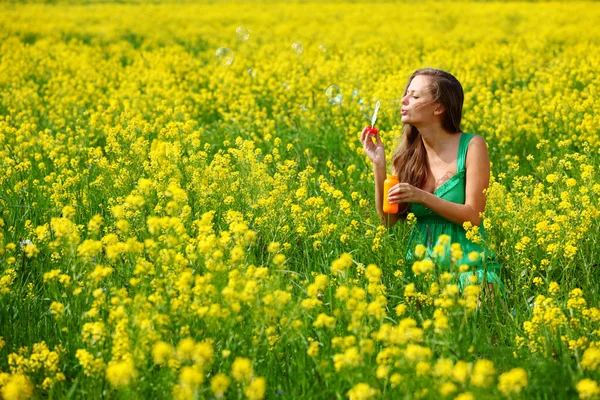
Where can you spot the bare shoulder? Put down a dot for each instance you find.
(477, 142)
(477, 151)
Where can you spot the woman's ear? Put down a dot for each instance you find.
(439, 109)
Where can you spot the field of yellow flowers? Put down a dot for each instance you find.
(186, 210)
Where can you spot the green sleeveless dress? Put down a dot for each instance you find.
(430, 225)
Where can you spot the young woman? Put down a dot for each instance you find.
(443, 171)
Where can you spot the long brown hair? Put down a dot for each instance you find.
(409, 160)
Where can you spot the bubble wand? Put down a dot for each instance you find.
(372, 128)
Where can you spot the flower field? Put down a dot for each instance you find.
(186, 210)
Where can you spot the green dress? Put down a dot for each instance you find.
(430, 225)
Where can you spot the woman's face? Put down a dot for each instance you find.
(418, 108)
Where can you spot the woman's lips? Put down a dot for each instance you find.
(404, 112)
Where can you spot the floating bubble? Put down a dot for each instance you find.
(303, 107)
(224, 56)
(242, 33)
(286, 85)
(334, 95)
(251, 72)
(322, 48)
(358, 96)
(297, 47)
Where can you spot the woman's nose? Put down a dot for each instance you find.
(405, 100)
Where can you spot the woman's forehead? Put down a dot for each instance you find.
(418, 84)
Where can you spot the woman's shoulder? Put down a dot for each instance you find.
(476, 149)
(474, 140)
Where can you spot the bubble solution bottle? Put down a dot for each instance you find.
(387, 184)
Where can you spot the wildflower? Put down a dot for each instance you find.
(161, 352)
(591, 359)
(395, 379)
(91, 365)
(422, 368)
(483, 373)
(362, 391)
(512, 381)
(241, 370)
(121, 373)
(465, 396)
(551, 178)
(447, 389)
(588, 389)
(57, 309)
(256, 389)
(420, 251)
(324, 320)
(341, 265)
(18, 387)
(313, 349)
(553, 288)
(461, 372)
(219, 385)
(473, 256)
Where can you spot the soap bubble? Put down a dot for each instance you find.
(303, 107)
(286, 85)
(251, 73)
(297, 47)
(224, 56)
(242, 33)
(322, 48)
(334, 95)
(358, 96)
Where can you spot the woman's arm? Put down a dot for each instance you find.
(477, 180)
(376, 153)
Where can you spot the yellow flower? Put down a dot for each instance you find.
(362, 391)
(341, 265)
(588, 389)
(120, 374)
(461, 372)
(551, 178)
(324, 320)
(161, 352)
(273, 247)
(483, 373)
(400, 309)
(256, 389)
(423, 368)
(373, 273)
(447, 389)
(313, 349)
(57, 309)
(465, 396)
(420, 250)
(91, 365)
(241, 370)
(219, 384)
(395, 379)
(591, 359)
(279, 259)
(185, 349)
(18, 387)
(191, 377)
(473, 256)
(512, 381)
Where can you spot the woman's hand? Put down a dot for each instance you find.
(374, 151)
(405, 193)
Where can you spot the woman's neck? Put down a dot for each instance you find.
(435, 138)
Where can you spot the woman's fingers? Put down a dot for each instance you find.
(399, 192)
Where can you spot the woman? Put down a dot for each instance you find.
(443, 171)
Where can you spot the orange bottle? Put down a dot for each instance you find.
(387, 184)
